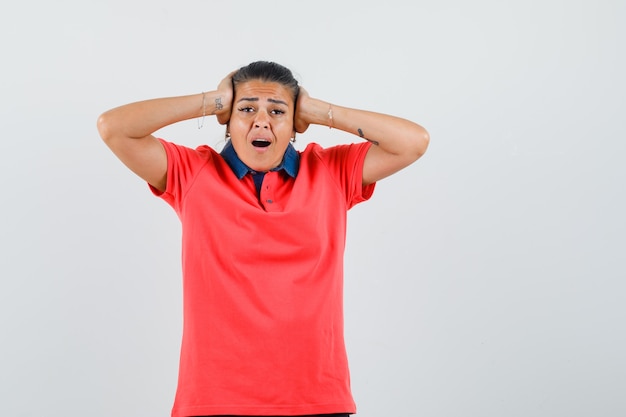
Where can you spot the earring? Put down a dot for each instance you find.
(293, 139)
(227, 135)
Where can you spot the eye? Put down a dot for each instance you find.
(246, 109)
(278, 111)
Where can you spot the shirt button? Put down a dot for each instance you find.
(269, 201)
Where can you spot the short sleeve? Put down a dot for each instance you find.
(183, 166)
(345, 162)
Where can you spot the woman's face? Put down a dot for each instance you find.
(261, 123)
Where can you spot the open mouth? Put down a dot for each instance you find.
(260, 143)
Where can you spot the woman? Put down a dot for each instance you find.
(263, 236)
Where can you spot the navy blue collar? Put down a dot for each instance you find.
(290, 163)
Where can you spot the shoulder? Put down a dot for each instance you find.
(344, 152)
(182, 153)
(201, 150)
(343, 166)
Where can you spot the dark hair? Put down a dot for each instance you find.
(267, 72)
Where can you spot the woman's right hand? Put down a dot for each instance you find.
(224, 100)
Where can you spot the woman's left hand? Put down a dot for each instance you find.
(300, 121)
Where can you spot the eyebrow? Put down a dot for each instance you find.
(271, 100)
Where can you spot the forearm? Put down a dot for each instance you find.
(392, 134)
(141, 119)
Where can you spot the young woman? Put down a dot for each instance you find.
(264, 229)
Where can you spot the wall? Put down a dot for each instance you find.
(485, 280)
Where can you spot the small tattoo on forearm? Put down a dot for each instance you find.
(363, 136)
(218, 104)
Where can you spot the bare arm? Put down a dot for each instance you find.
(397, 142)
(128, 130)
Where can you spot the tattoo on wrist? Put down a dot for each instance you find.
(218, 104)
(363, 136)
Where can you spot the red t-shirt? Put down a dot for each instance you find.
(263, 282)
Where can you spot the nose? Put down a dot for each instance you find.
(262, 120)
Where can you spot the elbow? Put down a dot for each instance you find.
(102, 124)
(106, 128)
(419, 143)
